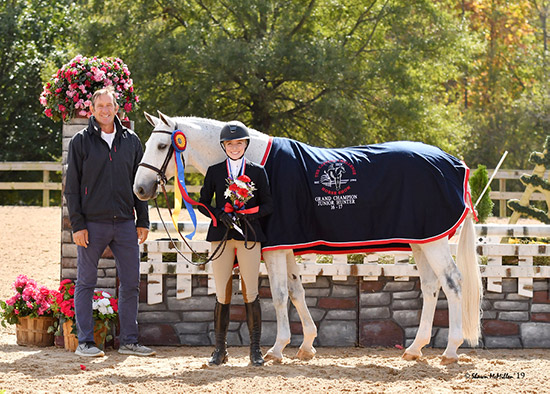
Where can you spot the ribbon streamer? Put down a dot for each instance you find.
(179, 143)
(189, 202)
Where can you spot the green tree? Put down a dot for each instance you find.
(478, 180)
(328, 73)
(32, 33)
(506, 85)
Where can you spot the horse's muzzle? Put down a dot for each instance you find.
(146, 192)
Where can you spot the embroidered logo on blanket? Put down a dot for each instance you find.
(334, 182)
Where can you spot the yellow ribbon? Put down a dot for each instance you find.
(177, 202)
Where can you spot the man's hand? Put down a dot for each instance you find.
(142, 234)
(81, 238)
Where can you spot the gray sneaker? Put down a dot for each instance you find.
(136, 349)
(88, 349)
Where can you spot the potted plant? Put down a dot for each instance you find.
(30, 309)
(105, 311)
(69, 92)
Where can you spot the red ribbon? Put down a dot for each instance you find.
(230, 208)
(186, 197)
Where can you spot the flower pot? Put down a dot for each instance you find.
(71, 340)
(100, 333)
(33, 331)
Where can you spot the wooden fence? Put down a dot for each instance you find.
(46, 185)
(372, 266)
(500, 186)
(499, 194)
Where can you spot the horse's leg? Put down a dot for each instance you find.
(430, 290)
(298, 298)
(276, 268)
(440, 259)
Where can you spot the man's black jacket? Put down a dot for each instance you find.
(99, 180)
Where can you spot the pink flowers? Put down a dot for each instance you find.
(29, 300)
(63, 95)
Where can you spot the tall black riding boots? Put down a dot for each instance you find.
(221, 324)
(254, 322)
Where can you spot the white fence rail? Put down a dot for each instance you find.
(374, 265)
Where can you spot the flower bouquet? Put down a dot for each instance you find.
(30, 309)
(238, 191)
(69, 91)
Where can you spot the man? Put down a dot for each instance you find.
(102, 162)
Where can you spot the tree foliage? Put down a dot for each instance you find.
(469, 76)
(32, 33)
(329, 73)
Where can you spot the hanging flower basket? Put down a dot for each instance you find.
(69, 92)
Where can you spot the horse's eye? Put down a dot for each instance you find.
(162, 146)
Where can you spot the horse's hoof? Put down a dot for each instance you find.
(271, 357)
(448, 360)
(306, 355)
(410, 357)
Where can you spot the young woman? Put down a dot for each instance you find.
(241, 196)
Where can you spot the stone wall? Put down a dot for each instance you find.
(354, 312)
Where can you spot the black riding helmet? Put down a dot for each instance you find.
(234, 130)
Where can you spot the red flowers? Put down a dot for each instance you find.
(64, 302)
(239, 191)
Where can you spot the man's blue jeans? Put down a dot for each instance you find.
(121, 237)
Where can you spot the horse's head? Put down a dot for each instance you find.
(157, 158)
(158, 162)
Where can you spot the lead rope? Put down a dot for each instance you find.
(209, 259)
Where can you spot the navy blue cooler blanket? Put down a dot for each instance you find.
(362, 199)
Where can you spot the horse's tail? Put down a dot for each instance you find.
(472, 288)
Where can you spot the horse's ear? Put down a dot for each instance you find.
(153, 120)
(167, 120)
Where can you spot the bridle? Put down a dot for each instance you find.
(161, 172)
(162, 181)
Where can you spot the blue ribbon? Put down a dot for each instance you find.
(188, 206)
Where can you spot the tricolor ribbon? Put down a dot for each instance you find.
(180, 192)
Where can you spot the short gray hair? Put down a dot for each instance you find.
(107, 90)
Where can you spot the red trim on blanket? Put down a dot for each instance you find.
(267, 150)
(355, 247)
